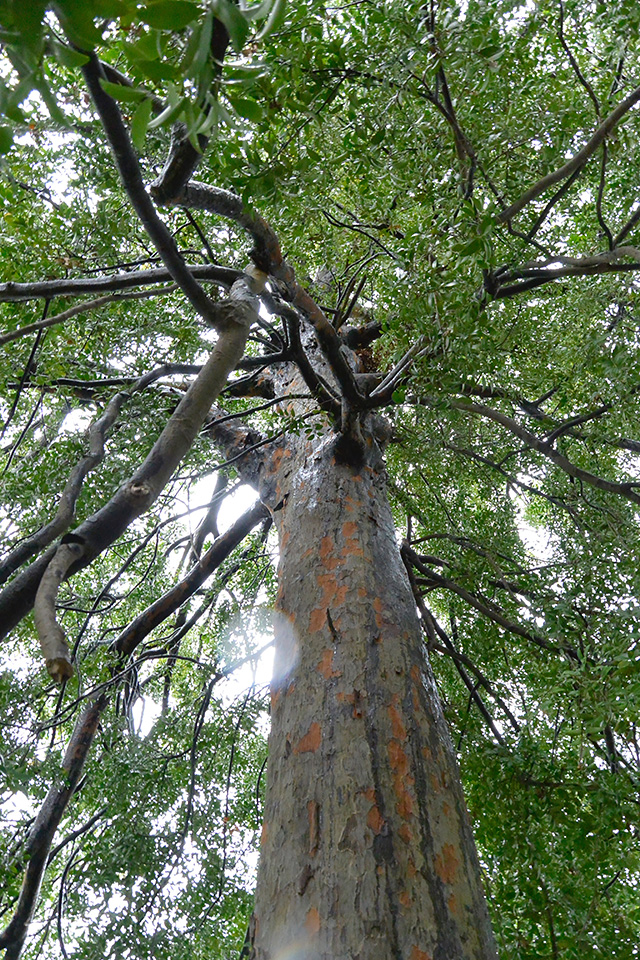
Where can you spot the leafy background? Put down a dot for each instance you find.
(325, 123)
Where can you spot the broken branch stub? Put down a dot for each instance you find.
(50, 634)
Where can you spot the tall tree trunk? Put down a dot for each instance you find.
(367, 850)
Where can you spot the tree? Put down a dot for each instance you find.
(378, 263)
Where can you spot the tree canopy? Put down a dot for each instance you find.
(456, 184)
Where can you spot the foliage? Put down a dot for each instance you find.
(384, 143)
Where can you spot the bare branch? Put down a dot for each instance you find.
(267, 255)
(536, 274)
(12, 292)
(490, 611)
(97, 435)
(130, 174)
(43, 830)
(85, 307)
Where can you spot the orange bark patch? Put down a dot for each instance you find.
(378, 607)
(333, 595)
(401, 780)
(416, 676)
(452, 903)
(398, 759)
(411, 869)
(375, 820)
(405, 899)
(312, 922)
(397, 726)
(275, 696)
(313, 810)
(284, 539)
(405, 834)
(447, 863)
(370, 794)
(418, 954)
(325, 667)
(350, 503)
(263, 835)
(276, 459)
(352, 546)
(317, 619)
(311, 740)
(361, 593)
(327, 559)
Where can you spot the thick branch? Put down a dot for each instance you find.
(576, 162)
(97, 435)
(155, 614)
(531, 276)
(46, 823)
(12, 292)
(53, 642)
(626, 490)
(129, 170)
(142, 489)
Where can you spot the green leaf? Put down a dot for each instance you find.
(67, 56)
(76, 17)
(199, 47)
(122, 93)
(275, 19)
(140, 123)
(237, 25)
(256, 11)
(244, 72)
(6, 140)
(173, 109)
(169, 14)
(147, 47)
(248, 109)
(159, 70)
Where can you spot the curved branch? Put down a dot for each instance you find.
(141, 490)
(43, 830)
(155, 614)
(488, 611)
(625, 490)
(129, 170)
(97, 434)
(85, 307)
(576, 162)
(50, 634)
(267, 256)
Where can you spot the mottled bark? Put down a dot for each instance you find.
(367, 850)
